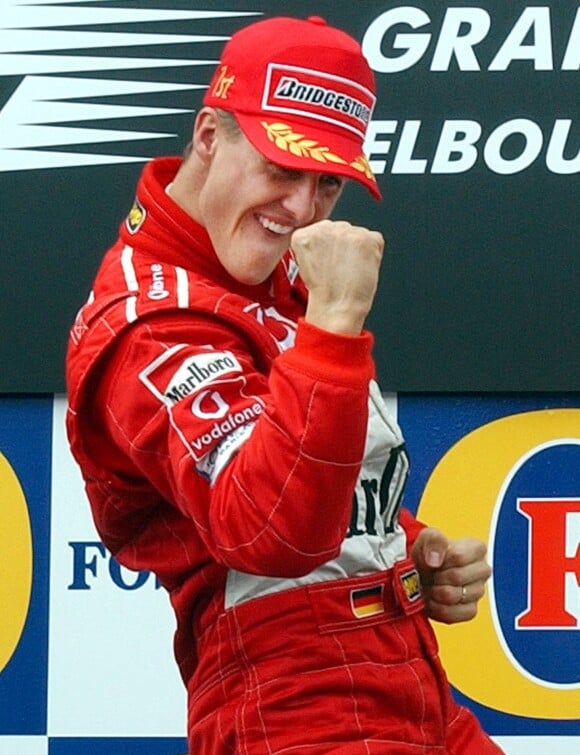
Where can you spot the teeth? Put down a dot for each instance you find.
(275, 227)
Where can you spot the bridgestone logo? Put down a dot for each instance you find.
(290, 88)
(199, 371)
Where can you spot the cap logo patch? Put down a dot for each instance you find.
(318, 95)
(223, 83)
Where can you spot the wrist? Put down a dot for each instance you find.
(335, 319)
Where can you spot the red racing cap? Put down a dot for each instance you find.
(302, 93)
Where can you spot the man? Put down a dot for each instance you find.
(233, 440)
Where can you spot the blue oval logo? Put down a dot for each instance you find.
(537, 564)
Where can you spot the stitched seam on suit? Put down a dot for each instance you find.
(255, 686)
(267, 526)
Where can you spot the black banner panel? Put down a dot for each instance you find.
(475, 142)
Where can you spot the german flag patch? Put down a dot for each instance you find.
(367, 602)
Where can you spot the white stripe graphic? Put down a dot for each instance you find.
(128, 269)
(182, 288)
(144, 374)
(131, 309)
(41, 37)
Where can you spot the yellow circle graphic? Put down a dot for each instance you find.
(15, 561)
(460, 498)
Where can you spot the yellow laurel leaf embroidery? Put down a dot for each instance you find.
(294, 137)
(362, 165)
(286, 139)
(276, 126)
(331, 157)
(318, 154)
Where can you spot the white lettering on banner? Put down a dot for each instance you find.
(53, 90)
(458, 149)
(462, 29)
(536, 21)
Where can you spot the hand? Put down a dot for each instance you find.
(339, 263)
(453, 574)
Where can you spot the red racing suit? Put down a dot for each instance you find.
(247, 458)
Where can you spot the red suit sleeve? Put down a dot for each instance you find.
(179, 398)
(411, 525)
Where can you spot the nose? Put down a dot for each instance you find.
(302, 198)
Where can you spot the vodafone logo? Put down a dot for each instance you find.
(209, 405)
(230, 422)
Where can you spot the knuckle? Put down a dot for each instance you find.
(446, 594)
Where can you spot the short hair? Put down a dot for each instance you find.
(230, 125)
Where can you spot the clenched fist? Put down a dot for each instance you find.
(339, 263)
(453, 574)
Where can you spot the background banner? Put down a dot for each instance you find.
(86, 646)
(475, 141)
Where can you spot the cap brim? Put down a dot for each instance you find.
(300, 145)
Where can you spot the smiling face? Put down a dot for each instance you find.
(248, 205)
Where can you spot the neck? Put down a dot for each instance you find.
(184, 189)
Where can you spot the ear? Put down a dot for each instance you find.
(205, 130)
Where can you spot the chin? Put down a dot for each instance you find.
(258, 270)
(251, 279)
